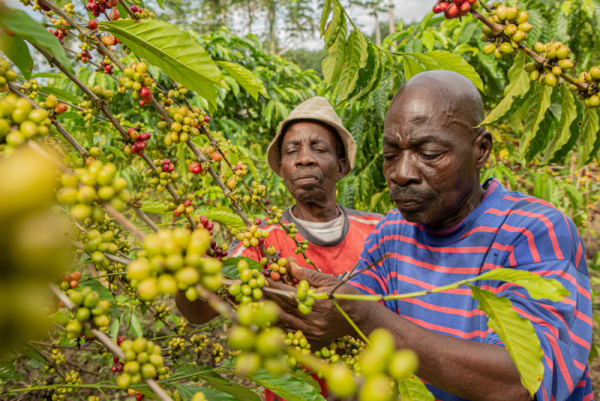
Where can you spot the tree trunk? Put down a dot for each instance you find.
(271, 18)
(392, 22)
(377, 30)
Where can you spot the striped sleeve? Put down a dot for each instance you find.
(374, 279)
(551, 247)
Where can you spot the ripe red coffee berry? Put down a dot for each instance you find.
(142, 103)
(120, 340)
(144, 91)
(437, 9)
(166, 161)
(206, 119)
(444, 5)
(452, 11)
(187, 202)
(115, 14)
(76, 276)
(134, 8)
(115, 359)
(73, 284)
(465, 7)
(256, 221)
(204, 220)
(92, 24)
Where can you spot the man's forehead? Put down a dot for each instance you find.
(307, 132)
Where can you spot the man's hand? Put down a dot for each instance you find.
(325, 322)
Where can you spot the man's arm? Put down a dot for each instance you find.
(470, 370)
(197, 311)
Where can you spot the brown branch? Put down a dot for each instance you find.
(126, 7)
(123, 221)
(143, 216)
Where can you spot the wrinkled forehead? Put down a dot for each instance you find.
(414, 113)
(308, 132)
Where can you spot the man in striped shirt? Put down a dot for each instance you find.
(448, 227)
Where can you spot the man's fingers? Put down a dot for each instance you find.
(314, 278)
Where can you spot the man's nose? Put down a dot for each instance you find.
(306, 158)
(406, 171)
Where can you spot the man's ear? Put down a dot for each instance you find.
(343, 168)
(482, 148)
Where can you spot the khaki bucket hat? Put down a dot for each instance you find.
(319, 109)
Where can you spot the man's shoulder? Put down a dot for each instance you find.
(528, 209)
(362, 216)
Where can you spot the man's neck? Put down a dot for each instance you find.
(316, 212)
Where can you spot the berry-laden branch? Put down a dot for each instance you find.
(107, 342)
(13, 88)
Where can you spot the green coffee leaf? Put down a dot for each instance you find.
(356, 58)
(563, 132)
(518, 335)
(172, 50)
(591, 142)
(518, 86)
(413, 389)
(17, 51)
(537, 286)
(21, 24)
(244, 77)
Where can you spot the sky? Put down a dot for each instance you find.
(408, 10)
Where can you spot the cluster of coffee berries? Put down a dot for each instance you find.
(253, 237)
(6, 75)
(71, 378)
(98, 7)
(206, 223)
(257, 194)
(187, 207)
(164, 373)
(90, 110)
(57, 357)
(275, 215)
(515, 28)
(590, 96)
(60, 33)
(103, 93)
(298, 342)
(143, 359)
(252, 282)
(185, 124)
(557, 59)
(96, 244)
(141, 13)
(136, 77)
(110, 234)
(304, 297)
(161, 312)
(380, 364)
(89, 187)
(32, 88)
(176, 93)
(164, 175)
(19, 121)
(141, 141)
(89, 306)
(217, 352)
(262, 345)
(106, 66)
(85, 56)
(93, 398)
(455, 8)
(70, 281)
(176, 345)
(182, 327)
(199, 342)
(345, 349)
(174, 260)
(51, 104)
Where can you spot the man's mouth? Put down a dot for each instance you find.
(409, 204)
(306, 179)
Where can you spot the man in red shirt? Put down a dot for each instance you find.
(311, 152)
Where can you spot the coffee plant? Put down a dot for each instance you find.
(129, 164)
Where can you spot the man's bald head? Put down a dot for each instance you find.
(432, 150)
(441, 94)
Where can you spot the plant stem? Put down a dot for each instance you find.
(351, 322)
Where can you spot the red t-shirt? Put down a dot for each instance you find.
(334, 257)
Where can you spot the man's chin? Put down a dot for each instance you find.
(414, 213)
(308, 195)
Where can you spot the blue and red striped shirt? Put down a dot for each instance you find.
(508, 229)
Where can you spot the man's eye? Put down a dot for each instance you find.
(430, 156)
(389, 158)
